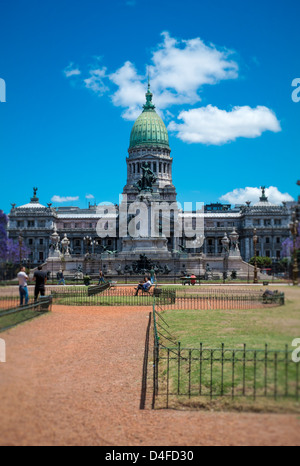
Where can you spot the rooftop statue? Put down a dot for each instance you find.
(147, 180)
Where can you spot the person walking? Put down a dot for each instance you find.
(23, 286)
(40, 278)
(101, 277)
(153, 276)
(61, 278)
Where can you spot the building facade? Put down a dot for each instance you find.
(149, 179)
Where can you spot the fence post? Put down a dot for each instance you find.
(211, 373)
(200, 380)
(286, 369)
(254, 387)
(244, 370)
(275, 376)
(190, 373)
(222, 370)
(179, 356)
(266, 369)
(233, 374)
(168, 377)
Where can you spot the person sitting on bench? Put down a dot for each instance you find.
(144, 286)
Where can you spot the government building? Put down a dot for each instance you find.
(68, 237)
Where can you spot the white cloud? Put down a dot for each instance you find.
(90, 196)
(242, 195)
(96, 81)
(210, 125)
(62, 199)
(71, 70)
(179, 70)
(131, 90)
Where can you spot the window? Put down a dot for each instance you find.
(267, 222)
(41, 256)
(268, 253)
(20, 224)
(278, 254)
(267, 240)
(30, 223)
(278, 240)
(277, 222)
(41, 241)
(256, 222)
(41, 224)
(30, 242)
(65, 226)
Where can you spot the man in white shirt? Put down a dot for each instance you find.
(23, 290)
(144, 286)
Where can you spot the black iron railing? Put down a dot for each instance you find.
(14, 316)
(224, 372)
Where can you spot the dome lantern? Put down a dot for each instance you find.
(149, 129)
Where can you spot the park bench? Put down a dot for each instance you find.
(45, 303)
(97, 289)
(273, 297)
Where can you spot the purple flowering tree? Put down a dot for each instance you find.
(9, 249)
(288, 245)
(3, 236)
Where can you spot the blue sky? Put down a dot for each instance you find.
(221, 75)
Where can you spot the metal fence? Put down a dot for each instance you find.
(219, 373)
(12, 302)
(216, 299)
(167, 298)
(224, 372)
(14, 316)
(115, 296)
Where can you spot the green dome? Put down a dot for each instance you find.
(149, 129)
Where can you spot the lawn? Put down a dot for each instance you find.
(10, 320)
(199, 376)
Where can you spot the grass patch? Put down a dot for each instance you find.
(17, 318)
(206, 376)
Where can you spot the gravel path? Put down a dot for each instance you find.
(73, 377)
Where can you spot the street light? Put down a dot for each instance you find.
(225, 243)
(88, 241)
(20, 239)
(294, 230)
(255, 239)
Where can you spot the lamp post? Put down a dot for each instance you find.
(294, 230)
(255, 239)
(225, 244)
(20, 239)
(88, 242)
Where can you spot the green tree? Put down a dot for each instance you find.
(262, 262)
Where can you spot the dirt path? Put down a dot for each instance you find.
(74, 377)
